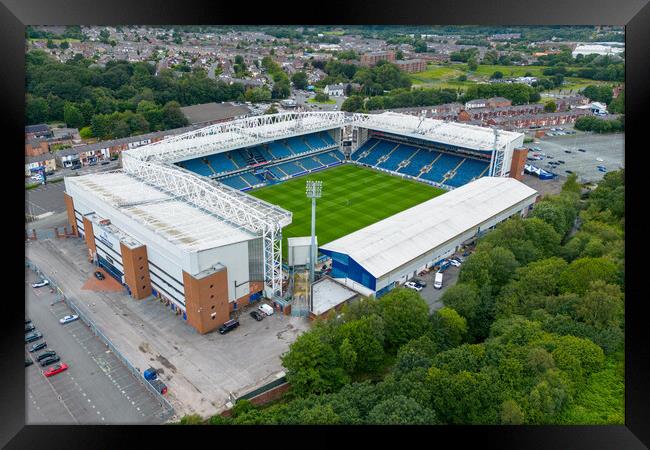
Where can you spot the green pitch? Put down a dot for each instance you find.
(353, 197)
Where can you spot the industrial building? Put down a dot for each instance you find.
(389, 252)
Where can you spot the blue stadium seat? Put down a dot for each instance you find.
(310, 163)
(315, 141)
(327, 158)
(238, 158)
(265, 153)
(297, 145)
(422, 158)
(366, 145)
(290, 168)
(443, 165)
(221, 163)
(251, 178)
(235, 182)
(471, 168)
(279, 151)
(325, 136)
(377, 152)
(198, 166)
(276, 171)
(399, 154)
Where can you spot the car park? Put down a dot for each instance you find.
(40, 284)
(228, 326)
(55, 369)
(49, 361)
(420, 282)
(454, 263)
(45, 355)
(266, 309)
(99, 275)
(412, 285)
(37, 347)
(68, 319)
(444, 266)
(255, 314)
(35, 336)
(29, 328)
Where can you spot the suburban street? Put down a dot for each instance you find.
(97, 388)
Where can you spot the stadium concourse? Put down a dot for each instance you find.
(176, 223)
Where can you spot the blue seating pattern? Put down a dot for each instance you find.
(290, 168)
(250, 178)
(279, 150)
(310, 163)
(276, 171)
(377, 152)
(325, 136)
(327, 158)
(315, 141)
(237, 182)
(366, 145)
(198, 166)
(221, 163)
(471, 168)
(297, 145)
(421, 159)
(443, 165)
(399, 154)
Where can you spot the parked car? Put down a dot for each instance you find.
(45, 355)
(40, 284)
(420, 281)
(437, 282)
(599, 159)
(35, 336)
(55, 369)
(37, 347)
(569, 171)
(99, 275)
(228, 326)
(28, 362)
(68, 319)
(105, 163)
(454, 263)
(49, 361)
(582, 150)
(255, 314)
(412, 285)
(444, 266)
(29, 328)
(560, 161)
(266, 309)
(568, 151)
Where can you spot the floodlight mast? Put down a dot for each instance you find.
(314, 190)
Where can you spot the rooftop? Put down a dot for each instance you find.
(390, 243)
(210, 112)
(190, 228)
(328, 294)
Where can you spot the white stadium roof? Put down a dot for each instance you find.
(178, 222)
(386, 245)
(452, 133)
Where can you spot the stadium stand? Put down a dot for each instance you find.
(377, 152)
(278, 150)
(290, 168)
(250, 178)
(236, 181)
(327, 158)
(297, 145)
(329, 141)
(440, 168)
(197, 165)
(398, 155)
(220, 163)
(309, 163)
(469, 170)
(421, 159)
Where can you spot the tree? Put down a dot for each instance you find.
(50, 44)
(85, 133)
(352, 104)
(548, 397)
(72, 116)
(550, 106)
(312, 365)
(348, 356)
(367, 338)
(601, 306)
(511, 413)
(64, 45)
(37, 110)
(321, 97)
(472, 64)
(271, 110)
(300, 80)
(191, 419)
(579, 275)
(401, 410)
(172, 115)
(497, 75)
(405, 314)
(399, 55)
(449, 328)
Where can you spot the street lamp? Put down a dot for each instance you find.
(313, 191)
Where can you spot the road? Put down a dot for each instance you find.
(301, 98)
(96, 389)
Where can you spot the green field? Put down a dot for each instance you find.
(353, 197)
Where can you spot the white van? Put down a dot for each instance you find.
(437, 282)
(266, 309)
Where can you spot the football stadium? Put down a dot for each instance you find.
(201, 220)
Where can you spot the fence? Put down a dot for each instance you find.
(168, 409)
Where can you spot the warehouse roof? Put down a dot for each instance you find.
(386, 245)
(175, 220)
(210, 112)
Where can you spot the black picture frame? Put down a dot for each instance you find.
(633, 14)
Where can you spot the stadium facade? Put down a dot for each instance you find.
(175, 222)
